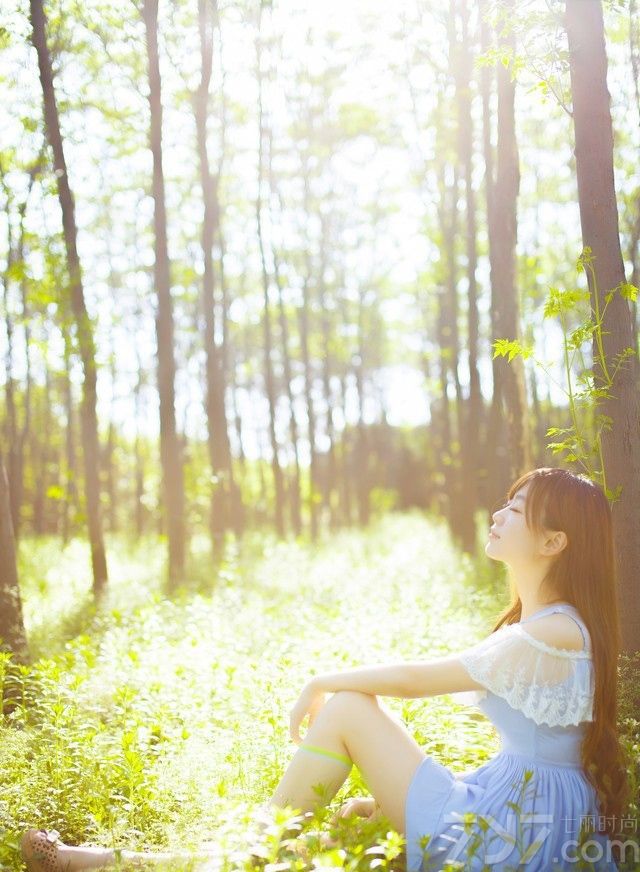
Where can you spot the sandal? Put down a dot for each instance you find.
(39, 849)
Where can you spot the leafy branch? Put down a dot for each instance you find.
(586, 390)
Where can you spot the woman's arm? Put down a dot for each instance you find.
(406, 680)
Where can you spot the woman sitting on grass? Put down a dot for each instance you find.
(546, 677)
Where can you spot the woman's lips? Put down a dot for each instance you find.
(495, 535)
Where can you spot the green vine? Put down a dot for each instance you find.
(581, 442)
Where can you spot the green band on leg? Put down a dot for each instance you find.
(334, 756)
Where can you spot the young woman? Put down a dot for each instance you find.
(546, 677)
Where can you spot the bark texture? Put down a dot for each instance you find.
(599, 221)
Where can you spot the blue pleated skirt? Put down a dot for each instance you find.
(514, 812)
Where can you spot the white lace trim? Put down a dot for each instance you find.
(551, 649)
(550, 685)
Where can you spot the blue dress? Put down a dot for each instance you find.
(526, 805)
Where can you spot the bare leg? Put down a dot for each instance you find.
(74, 859)
(98, 858)
(357, 728)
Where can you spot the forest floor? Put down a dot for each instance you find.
(162, 722)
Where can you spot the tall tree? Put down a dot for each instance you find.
(346, 471)
(85, 338)
(226, 352)
(474, 405)
(493, 473)
(269, 379)
(331, 471)
(14, 472)
(503, 225)
(170, 444)
(599, 222)
(363, 448)
(304, 320)
(294, 483)
(41, 454)
(138, 450)
(12, 634)
(70, 490)
(446, 338)
(217, 425)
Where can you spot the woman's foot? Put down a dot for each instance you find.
(39, 849)
(43, 851)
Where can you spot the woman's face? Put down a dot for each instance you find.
(510, 539)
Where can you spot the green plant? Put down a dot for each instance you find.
(581, 441)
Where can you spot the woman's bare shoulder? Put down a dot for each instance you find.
(557, 630)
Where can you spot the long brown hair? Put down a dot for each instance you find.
(584, 575)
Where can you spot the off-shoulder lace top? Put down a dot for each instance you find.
(550, 685)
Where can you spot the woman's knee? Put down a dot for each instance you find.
(351, 699)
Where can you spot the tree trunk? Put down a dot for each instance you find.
(362, 450)
(296, 506)
(331, 477)
(634, 49)
(634, 257)
(70, 499)
(39, 455)
(304, 319)
(268, 342)
(346, 472)
(170, 446)
(25, 430)
(502, 245)
(237, 418)
(448, 342)
(237, 508)
(441, 414)
(12, 634)
(217, 425)
(11, 420)
(473, 423)
(140, 511)
(634, 252)
(17, 435)
(493, 478)
(599, 221)
(23, 434)
(110, 471)
(238, 511)
(89, 420)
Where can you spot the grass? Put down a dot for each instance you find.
(162, 723)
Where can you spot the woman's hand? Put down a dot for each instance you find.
(362, 806)
(309, 702)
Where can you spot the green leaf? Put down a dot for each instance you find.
(580, 335)
(556, 447)
(560, 301)
(510, 347)
(628, 291)
(613, 495)
(586, 258)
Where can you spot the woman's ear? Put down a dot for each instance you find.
(554, 543)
